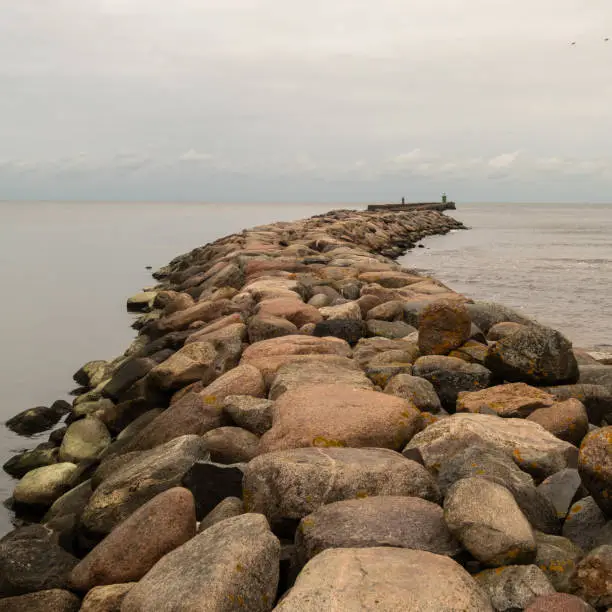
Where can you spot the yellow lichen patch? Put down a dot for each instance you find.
(513, 552)
(247, 499)
(362, 494)
(321, 442)
(210, 399)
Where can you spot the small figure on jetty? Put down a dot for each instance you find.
(403, 200)
(444, 197)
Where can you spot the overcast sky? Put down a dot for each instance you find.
(306, 100)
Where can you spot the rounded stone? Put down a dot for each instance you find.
(42, 486)
(443, 326)
(84, 440)
(486, 519)
(595, 467)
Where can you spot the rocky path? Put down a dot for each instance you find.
(303, 425)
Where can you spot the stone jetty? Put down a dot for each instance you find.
(302, 424)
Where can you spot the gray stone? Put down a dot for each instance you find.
(19, 465)
(369, 579)
(485, 518)
(584, 523)
(528, 444)
(241, 559)
(596, 375)
(559, 602)
(416, 390)
(514, 587)
(561, 489)
(450, 375)
(250, 413)
(227, 508)
(30, 561)
(36, 420)
(291, 484)
(71, 502)
(536, 355)
(488, 314)
(478, 461)
(557, 557)
(400, 522)
(389, 329)
(139, 481)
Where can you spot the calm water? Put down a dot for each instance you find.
(551, 261)
(66, 270)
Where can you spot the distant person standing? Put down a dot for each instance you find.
(444, 198)
(403, 200)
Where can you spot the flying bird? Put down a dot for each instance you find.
(606, 39)
(572, 43)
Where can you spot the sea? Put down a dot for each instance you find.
(67, 268)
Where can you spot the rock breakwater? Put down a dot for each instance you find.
(303, 424)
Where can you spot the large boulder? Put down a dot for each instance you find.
(557, 557)
(293, 483)
(250, 413)
(51, 600)
(241, 560)
(346, 311)
(292, 376)
(514, 587)
(531, 447)
(401, 522)
(384, 579)
(194, 362)
(450, 375)
(195, 413)
(340, 415)
(595, 466)
(389, 329)
(566, 420)
(368, 349)
(536, 355)
(485, 518)
(593, 578)
(42, 486)
(443, 326)
(138, 543)
(418, 391)
(84, 440)
(38, 419)
(515, 400)
(478, 461)
(30, 561)
(596, 375)
(140, 480)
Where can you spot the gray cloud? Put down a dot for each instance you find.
(269, 99)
